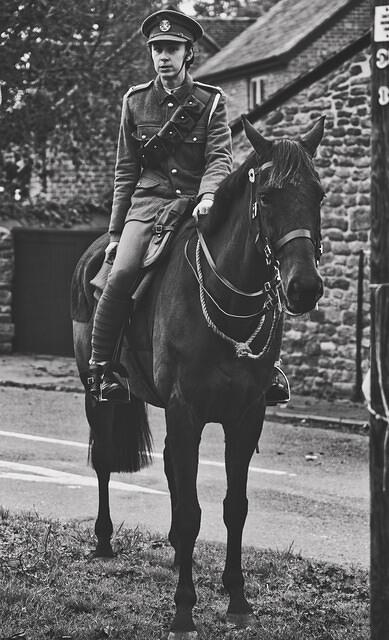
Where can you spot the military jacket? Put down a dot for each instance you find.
(195, 167)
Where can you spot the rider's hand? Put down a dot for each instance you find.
(110, 251)
(202, 208)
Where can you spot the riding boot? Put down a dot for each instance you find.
(279, 390)
(103, 382)
(105, 385)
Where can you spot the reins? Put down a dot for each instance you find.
(270, 289)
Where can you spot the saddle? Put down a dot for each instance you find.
(166, 223)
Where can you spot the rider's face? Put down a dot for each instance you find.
(168, 58)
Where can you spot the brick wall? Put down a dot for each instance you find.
(6, 275)
(90, 181)
(319, 349)
(336, 36)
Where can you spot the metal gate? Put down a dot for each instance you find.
(44, 263)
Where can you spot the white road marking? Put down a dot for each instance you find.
(29, 436)
(35, 473)
(73, 443)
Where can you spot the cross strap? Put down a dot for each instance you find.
(174, 131)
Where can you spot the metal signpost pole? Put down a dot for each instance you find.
(379, 412)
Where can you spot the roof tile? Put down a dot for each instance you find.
(273, 34)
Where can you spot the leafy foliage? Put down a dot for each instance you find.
(64, 66)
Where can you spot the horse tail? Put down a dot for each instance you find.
(120, 439)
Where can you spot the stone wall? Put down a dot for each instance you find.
(334, 37)
(6, 276)
(319, 349)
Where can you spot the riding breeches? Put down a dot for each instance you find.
(114, 305)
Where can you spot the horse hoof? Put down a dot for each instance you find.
(183, 635)
(241, 620)
(102, 553)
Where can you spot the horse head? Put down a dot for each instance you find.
(285, 212)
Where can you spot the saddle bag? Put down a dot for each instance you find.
(166, 222)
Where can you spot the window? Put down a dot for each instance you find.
(256, 95)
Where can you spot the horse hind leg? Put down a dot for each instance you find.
(103, 525)
(241, 440)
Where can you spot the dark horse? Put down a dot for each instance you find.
(204, 349)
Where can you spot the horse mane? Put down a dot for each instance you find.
(290, 161)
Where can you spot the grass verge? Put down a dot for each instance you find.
(50, 589)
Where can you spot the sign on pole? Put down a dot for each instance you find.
(379, 412)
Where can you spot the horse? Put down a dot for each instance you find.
(203, 342)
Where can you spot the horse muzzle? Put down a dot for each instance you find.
(302, 293)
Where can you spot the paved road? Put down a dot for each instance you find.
(308, 488)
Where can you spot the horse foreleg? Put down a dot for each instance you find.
(103, 525)
(183, 439)
(241, 440)
(173, 538)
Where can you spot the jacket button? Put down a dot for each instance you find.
(170, 104)
(174, 170)
(178, 192)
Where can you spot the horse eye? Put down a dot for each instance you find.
(264, 199)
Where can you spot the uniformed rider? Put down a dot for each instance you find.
(192, 163)
(174, 143)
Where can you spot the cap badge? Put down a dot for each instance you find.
(165, 25)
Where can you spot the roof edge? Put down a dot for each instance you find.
(261, 65)
(302, 82)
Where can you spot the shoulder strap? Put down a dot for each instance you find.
(139, 87)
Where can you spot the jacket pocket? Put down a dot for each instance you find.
(146, 131)
(147, 182)
(197, 136)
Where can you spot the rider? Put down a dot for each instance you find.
(164, 154)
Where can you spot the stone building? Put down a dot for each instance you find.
(303, 59)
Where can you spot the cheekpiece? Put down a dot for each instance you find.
(171, 25)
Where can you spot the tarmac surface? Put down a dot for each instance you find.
(58, 373)
(308, 488)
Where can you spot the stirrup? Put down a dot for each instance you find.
(279, 390)
(106, 379)
(114, 380)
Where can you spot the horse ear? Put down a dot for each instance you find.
(257, 140)
(312, 139)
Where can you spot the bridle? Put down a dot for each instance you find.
(270, 249)
(271, 288)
